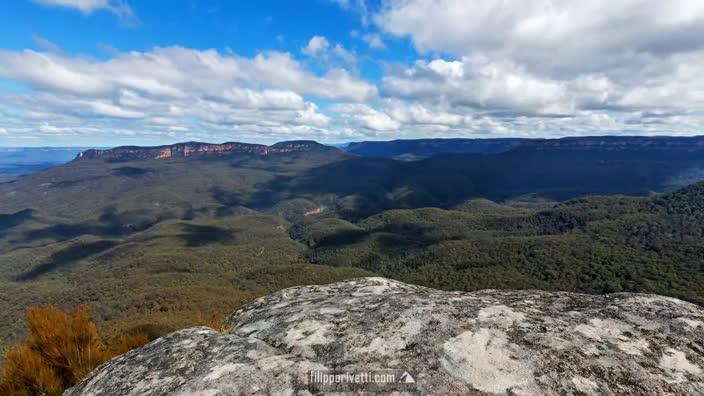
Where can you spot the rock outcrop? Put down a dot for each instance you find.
(449, 343)
(127, 153)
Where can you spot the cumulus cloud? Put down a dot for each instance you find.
(418, 114)
(316, 45)
(569, 36)
(483, 68)
(544, 66)
(364, 116)
(480, 84)
(328, 55)
(176, 72)
(173, 90)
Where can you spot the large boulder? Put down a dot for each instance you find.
(447, 343)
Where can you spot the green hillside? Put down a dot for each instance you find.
(592, 245)
(164, 276)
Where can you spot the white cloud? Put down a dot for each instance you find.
(266, 99)
(175, 72)
(310, 116)
(45, 44)
(568, 36)
(485, 68)
(118, 7)
(344, 54)
(316, 45)
(627, 43)
(328, 56)
(359, 7)
(547, 67)
(85, 6)
(418, 114)
(480, 84)
(173, 91)
(374, 41)
(363, 116)
(106, 109)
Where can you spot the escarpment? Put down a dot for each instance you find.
(197, 148)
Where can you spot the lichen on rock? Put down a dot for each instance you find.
(486, 342)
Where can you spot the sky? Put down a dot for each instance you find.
(147, 72)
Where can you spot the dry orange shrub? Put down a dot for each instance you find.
(214, 322)
(60, 349)
(25, 373)
(129, 342)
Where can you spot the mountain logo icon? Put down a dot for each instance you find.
(407, 378)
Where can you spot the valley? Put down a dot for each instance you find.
(149, 240)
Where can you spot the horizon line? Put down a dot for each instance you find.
(345, 143)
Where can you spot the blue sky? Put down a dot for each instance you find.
(244, 27)
(110, 72)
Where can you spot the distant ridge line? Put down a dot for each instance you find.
(429, 147)
(188, 149)
(411, 148)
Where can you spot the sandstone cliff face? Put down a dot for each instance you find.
(195, 148)
(452, 343)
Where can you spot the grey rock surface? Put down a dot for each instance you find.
(452, 343)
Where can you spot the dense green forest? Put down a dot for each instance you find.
(591, 245)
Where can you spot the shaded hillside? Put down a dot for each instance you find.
(203, 185)
(424, 148)
(448, 180)
(420, 148)
(108, 191)
(163, 277)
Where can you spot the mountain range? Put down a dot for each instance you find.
(156, 236)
